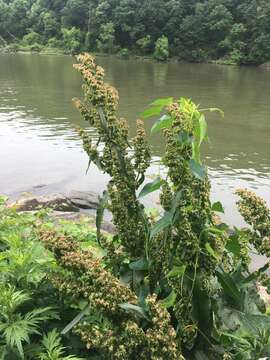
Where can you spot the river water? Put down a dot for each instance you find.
(40, 151)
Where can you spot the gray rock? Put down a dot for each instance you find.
(53, 201)
(83, 199)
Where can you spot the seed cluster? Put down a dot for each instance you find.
(84, 276)
(124, 160)
(256, 213)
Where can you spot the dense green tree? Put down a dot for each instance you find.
(197, 30)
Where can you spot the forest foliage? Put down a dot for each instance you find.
(233, 31)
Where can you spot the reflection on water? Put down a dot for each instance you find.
(39, 143)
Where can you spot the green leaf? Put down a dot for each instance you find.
(211, 251)
(198, 170)
(141, 264)
(177, 271)
(212, 109)
(184, 137)
(169, 300)
(163, 123)
(162, 224)
(196, 155)
(152, 111)
(162, 102)
(233, 246)
(3, 199)
(229, 286)
(217, 206)
(150, 187)
(134, 309)
(76, 320)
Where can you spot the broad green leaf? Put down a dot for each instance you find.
(169, 300)
(150, 187)
(141, 264)
(163, 123)
(162, 224)
(198, 170)
(135, 309)
(162, 102)
(217, 206)
(229, 286)
(177, 271)
(152, 111)
(233, 246)
(211, 251)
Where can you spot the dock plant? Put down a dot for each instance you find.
(185, 270)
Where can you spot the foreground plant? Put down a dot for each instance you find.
(191, 265)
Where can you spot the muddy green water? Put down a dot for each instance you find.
(40, 151)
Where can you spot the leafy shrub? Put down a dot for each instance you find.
(106, 40)
(36, 47)
(145, 44)
(32, 38)
(161, 52)
(29, 305)
(54, 43)
(124, 53)
(71, 40)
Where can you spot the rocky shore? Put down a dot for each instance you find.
(72, 205)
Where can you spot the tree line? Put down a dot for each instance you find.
(235, 31)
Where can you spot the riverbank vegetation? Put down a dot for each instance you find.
(171, 283)
(227, 31)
